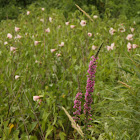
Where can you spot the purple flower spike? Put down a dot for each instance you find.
(90, 86)
(77, 104)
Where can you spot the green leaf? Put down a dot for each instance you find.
(61, 124)
(127, 71)
(55, 118)
(49, 130)
(62, 135)
(100, 137)
(33, 138)
(33, 125)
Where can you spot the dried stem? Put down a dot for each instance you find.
(96, 55)
(84, 12)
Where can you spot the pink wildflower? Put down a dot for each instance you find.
(47, 30)
(62, 44)
(112, 46)
(89, 34)
(58, 54)
(5, 43)
(50, 19)
(18, 37)
(95, 16)
(129, 37)
(67, 23)
(134, 46)
(17, 29)
(94, 47)
(83, 23)
(12, 49)
(132, 29)
(28, 12)
(53, 50)
(42, 9)
(121, 29)
(36, 98)
(72, 26)
(36, 43)
(9, 36)
(129, 46)
(17, 76)
(108, 48)
(112, 31)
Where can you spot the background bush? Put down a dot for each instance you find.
(110, 8)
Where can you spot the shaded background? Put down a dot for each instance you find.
(10, 9)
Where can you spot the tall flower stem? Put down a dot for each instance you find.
(90, 87)
(88, 95)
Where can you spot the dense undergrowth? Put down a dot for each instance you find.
(49, 58)
(11, 9)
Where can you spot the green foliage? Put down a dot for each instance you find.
(121, 105)
(129, 8)
(10, 9)
(110, 8)
(57, 79)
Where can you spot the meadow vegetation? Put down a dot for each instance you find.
(44, 61)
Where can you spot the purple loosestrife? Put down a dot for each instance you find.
(77, 105)
(90, 86)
